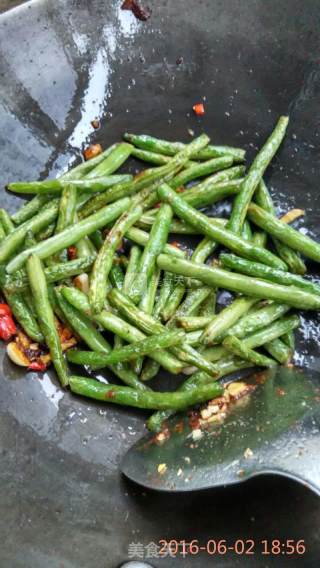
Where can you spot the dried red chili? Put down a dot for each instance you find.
(92, 151)
(7, 327)
(138, 11)
(37, 366)
(5, 310)
(198, 109)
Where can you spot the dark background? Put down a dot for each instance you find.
(63, 63)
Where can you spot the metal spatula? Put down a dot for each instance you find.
(275, 430)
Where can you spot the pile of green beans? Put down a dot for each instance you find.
(93, 251)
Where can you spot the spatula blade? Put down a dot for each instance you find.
(274, 430)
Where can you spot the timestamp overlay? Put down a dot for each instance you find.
(217, 547)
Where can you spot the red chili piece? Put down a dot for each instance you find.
(198, 109)
(37, 366)
(7, 326)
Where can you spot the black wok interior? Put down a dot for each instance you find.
(62, 64)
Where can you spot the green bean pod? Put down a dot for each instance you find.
(215, 231)
(16, 238)
(154, 246)
(217, 277)
(69, 236)
(171, 148)
(255, 174)
(226, 318)
(284, 233)
(44, 310)
(127, 353)
(147, 400)
(264, 272)
(103, 262)
(238, 348)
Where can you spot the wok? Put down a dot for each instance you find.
(62, 64)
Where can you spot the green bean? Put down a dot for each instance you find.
(150, 157)
(97, 239)
(112, 162)
(67, 208)
(256, 320)
(226, 366)
(199, 170)
(174, 300)
(229, 365)
(208, 307)
(29, 241)
(215, 231)
(226, 318)
(156, 242)
(84, 328)
(176, 226)
(30, 209)
(260, 338)
(284, 233)
(6, 222)
(267, 273)
(260, 239)
(15, 239)
(54, 273)
(148, 297)
(203, 250)
(56, 186)
(279, 350)
(150, 325)
(23, 315)
(127, 353)
(149, 370)
(217, 277)
(77, 299)
(87, 166)
(141, 238)
(210, 193)
(154, 158)
(190, 305)
(237, 347)
(149, 178)
(116, 325)
(46, 232)
(44, 310)
(103, 262)
(165, 291)
(199, 255)
(68, 236)
(271, 332)
(2, 233)
(246, 232)
(171, 148)
(131, 334)
(146, 304)
(192, 323)
(289, 256)
(148, 400)
(116, 276)
(292, 258)
(82, 325)
(255, 174)
(85, 248)
(132, 269)
(289, 340)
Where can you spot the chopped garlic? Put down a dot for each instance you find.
(197, 434)
(248, 453)
(162, 468)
